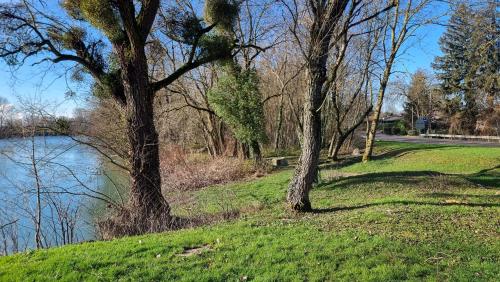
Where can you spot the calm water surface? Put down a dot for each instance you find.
(69, 175)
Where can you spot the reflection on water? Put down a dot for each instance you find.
(73, 182)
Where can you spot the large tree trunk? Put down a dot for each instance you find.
(146, 200)
(145, 192)
(306, 170)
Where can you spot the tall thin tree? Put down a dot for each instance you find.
(400, 25)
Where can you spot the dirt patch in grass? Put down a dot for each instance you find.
(195, 250)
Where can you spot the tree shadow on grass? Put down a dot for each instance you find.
(450, 195)
(393, 177)
(404, 151)
(402, 202)
(487, 177)
(350, 160)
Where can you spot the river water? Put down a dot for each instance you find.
(71, 178)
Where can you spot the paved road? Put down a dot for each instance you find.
(422, 140)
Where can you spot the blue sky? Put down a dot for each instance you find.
(50, 87)
(424, 48)
(31, 84)
(46, 84)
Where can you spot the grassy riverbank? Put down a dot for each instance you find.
(416, 212)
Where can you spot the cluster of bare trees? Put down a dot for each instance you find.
(322, 67)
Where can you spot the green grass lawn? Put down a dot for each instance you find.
(417, 212)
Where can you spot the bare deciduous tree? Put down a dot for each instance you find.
(329, 21)
(405, 19)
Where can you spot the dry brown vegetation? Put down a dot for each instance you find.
(185, 171)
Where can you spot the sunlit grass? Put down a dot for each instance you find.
(408, 215)
(438, 158)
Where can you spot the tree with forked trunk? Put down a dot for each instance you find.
(327, 22)
(86, 32)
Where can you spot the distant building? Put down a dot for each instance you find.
(390, 119)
